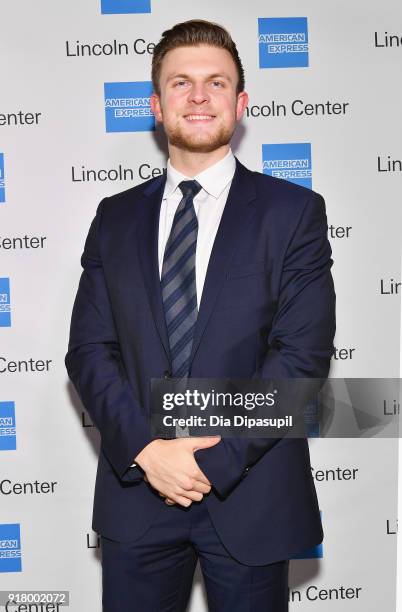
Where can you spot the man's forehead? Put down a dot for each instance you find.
(205, 60)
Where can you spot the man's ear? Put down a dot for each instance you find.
(241, 104)
(156, 106)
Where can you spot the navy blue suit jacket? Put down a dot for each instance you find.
(267, 310)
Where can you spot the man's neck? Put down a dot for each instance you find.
(190, 164)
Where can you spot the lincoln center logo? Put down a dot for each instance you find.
(291, 162)
(10, 548)
(7, 426)
(283, 42)
(2, 184)
(125, 6)
(127, 107)
(5, 308)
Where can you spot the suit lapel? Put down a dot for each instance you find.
(235, 216)
(147, 238)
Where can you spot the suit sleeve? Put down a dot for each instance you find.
(300, 343)
(96, 369)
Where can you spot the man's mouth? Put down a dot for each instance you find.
(199, 117)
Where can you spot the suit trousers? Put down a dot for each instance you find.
(155, 572)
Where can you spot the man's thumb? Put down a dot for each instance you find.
(205, 442)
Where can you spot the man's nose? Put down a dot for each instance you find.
(199, 93)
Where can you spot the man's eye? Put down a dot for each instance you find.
(218, 83)
(180, 82)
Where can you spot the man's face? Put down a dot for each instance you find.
(198, 104)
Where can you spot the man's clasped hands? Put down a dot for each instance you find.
(170, 468)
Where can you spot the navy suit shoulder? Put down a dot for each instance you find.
(130, 200)
(137, 191)
(286, 197)
(121, 214)
(291, 209)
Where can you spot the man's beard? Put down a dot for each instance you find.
(198, 143)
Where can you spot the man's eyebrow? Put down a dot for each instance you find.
(177, 76)
(222, 75)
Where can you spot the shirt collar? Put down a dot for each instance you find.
(214, 179)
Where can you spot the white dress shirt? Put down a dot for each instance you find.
(208, 204)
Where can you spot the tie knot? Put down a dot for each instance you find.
(190, 188)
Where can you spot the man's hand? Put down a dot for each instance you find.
(171, 469)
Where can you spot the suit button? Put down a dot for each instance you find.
(245, 472)
(167, 374)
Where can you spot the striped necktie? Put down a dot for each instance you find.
(179, 291)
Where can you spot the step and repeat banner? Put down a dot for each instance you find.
(76, 126)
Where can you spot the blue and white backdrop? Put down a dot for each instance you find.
(75, 126)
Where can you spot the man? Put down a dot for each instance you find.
(211, 271)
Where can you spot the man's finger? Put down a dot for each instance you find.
(200, 477)
(182, 501)
(193, 495)
(201, 487)
(204, 442)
